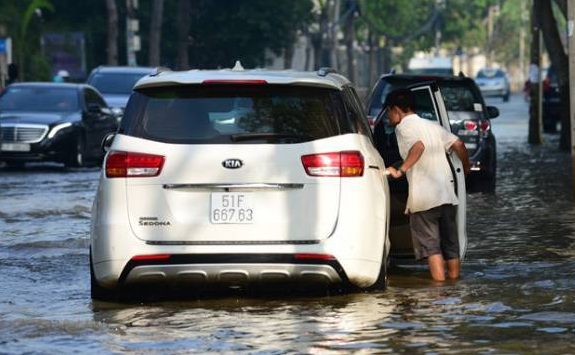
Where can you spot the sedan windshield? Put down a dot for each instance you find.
(115, 83)
(39, 99)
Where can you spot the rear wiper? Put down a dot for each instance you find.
(266, 136)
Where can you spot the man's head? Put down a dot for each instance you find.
(399, 103)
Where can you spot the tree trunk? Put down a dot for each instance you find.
(372, 59)
(534, 133)
(349, 40)
(288, 56)
(156, 32)
(333, 53)
(560, 64)
(112, 32)
(182, 62)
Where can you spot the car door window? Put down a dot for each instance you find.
(356, 113)
(424, 105)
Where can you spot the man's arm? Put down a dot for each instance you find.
(413, 157)
(459, 148)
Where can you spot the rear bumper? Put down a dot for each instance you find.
(196, 270)
(490, 92)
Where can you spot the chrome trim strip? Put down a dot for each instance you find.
(235, 242)
(26, 125)
(235, 187)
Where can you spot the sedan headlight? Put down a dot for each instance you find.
(58, 128)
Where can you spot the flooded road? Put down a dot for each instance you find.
(517, 294)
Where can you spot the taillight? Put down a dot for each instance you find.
(314, 256)
(546, 84)
(484, 126)
(337, 164)
(470, 125)
(152, 257)
(126, 164)
(234, 81)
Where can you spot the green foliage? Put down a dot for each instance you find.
(245, 30)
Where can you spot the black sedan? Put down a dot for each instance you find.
(469, 116)
(56, 122)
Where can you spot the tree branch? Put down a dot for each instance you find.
(553, 42)
(562, 4)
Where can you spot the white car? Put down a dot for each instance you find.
(237, 177)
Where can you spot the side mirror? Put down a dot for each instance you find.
(93, 108)
(492, 111)
(107, 141)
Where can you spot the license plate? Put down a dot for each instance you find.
(15, 147)
(232, 208)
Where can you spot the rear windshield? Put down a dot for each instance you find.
(493, 73)
(115, 83)
(217, 114)
(457, 95)
(39, 99)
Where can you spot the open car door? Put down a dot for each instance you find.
(429, 105)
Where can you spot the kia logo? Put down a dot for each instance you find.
(232, 163)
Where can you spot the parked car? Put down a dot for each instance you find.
(241, 177)
(116, 83)
(494, 83)
(429, 105)
(470, 119)
(551, 102)
(53, 122)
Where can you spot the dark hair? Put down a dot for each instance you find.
(402, 98)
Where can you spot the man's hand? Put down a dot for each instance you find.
(459, 149)
(396, 174)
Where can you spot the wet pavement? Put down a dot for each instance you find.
(516, 295)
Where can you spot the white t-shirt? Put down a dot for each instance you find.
(430, 179)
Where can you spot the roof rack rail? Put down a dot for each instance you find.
(160, 70)
(323, 71)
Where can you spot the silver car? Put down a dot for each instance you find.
(493, 82)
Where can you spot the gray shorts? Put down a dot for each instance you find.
(435, 232)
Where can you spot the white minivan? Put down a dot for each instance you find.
(239, 177)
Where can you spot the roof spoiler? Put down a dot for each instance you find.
(323, 71)
(160, 70)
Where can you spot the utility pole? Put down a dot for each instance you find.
(571, 44)
(535, 78)
(132, 28)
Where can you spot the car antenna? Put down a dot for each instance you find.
(325, 71)
(392, 71)
(461, 75)
(238, 66)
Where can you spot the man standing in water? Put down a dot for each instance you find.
(423, 145)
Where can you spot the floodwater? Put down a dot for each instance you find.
(516, 295)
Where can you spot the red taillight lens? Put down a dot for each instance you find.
(484, 126)
(314, 256)
(152, 257)
(232, 81)
(546, 84)
(339, 164)
(470, 125)
(126, 164)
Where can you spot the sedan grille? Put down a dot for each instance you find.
(23, 133)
